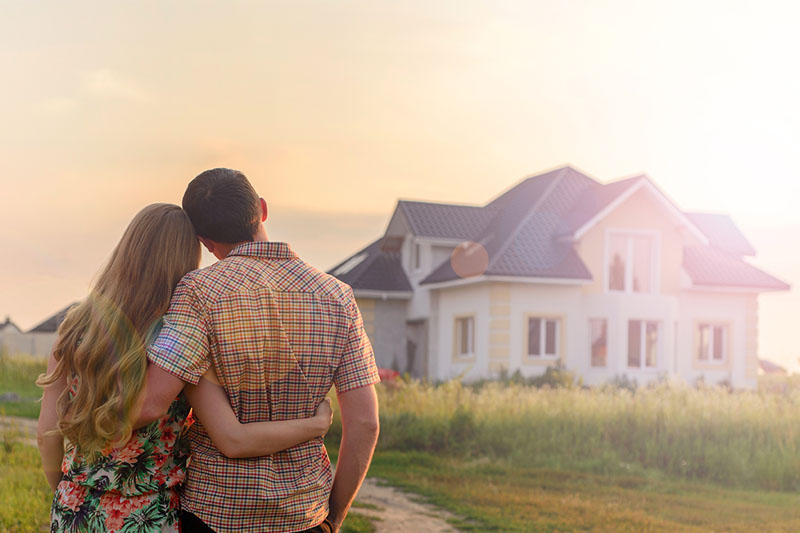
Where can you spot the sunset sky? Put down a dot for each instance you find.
(337, 109)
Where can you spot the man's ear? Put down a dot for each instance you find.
(264, 210)
(208, 243)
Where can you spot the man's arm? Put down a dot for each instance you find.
(160, 390)
(360, 428)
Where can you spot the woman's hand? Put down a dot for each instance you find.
(324, 416)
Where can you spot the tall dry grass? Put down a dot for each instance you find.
(746, 439)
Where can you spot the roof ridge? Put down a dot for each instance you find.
(502, 249)
(476, 206)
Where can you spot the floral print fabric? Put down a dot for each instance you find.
(132, 488)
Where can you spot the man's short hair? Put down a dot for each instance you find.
(223, 206)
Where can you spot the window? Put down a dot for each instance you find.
(465, 336)
(598, 330)
(416, 260)
(543, 337)
(643, 343)
(711, 344)
(630, 263)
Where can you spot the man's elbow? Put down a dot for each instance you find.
(367, 426)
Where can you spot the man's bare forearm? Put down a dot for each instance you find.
(355, 454)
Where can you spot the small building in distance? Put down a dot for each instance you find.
(38, 341)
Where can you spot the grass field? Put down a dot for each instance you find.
(499, 496)
(17, 376)
(511, 457)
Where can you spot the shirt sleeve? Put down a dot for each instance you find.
(182, 346)
(357, 366)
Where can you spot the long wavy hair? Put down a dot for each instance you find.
(103, 340)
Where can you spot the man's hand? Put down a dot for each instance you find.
(324, 416)
(360, 428)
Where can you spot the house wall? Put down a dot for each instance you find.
(384, 322)
(641, 212)
(739, 312)
(501, 311)
(36, 344)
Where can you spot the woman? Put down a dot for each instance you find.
(114, 476)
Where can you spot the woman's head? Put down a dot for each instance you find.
(103, 340)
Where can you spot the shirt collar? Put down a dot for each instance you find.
(267, 250)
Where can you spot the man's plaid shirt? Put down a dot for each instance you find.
(279, 333)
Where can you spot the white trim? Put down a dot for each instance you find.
(439, 241)
(506, 279)
(543, 320)
(643, 345)
(643, 181)
(655, 260)
(714, 288)
(383, 295)
(712, 326)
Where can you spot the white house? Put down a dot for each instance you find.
(607, 279)
(37, 342)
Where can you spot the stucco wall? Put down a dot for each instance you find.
(385, 322)
(641, 213)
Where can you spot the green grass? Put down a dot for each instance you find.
(24, 492)
(746, 439)
(356, 523)
(18, 375)
(498, 496)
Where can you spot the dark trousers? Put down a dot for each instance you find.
(190, 523)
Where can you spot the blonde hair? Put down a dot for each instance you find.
(103, 340)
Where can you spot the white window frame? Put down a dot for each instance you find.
(543, 337)
(710, 355)
(643, 344)
(470, 321)
(591, 362)
(655, 260)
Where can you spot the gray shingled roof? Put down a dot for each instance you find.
(51, 324)
(373, 269)
(722, 233)
(709, 266)
(520, 237)
(524, 229)
(445, 221)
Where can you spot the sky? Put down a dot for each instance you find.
(335, 110)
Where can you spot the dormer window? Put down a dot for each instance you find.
(415, 257)
(630, 262)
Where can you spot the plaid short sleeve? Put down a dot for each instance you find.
(182, 346)
(357, 366)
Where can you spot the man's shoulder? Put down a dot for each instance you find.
(234, 273)
(308, 278)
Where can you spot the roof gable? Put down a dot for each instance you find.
(613, 195)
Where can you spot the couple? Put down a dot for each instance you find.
(252, 344)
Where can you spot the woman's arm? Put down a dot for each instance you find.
(51, 445)
(211, 406)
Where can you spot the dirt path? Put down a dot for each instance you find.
(395, 511)
(23, 428)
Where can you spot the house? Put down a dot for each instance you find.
(11, 337)
(606, 279)
(38, 341)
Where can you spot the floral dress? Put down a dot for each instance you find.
(132, 488)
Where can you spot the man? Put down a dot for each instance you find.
(278, 333)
